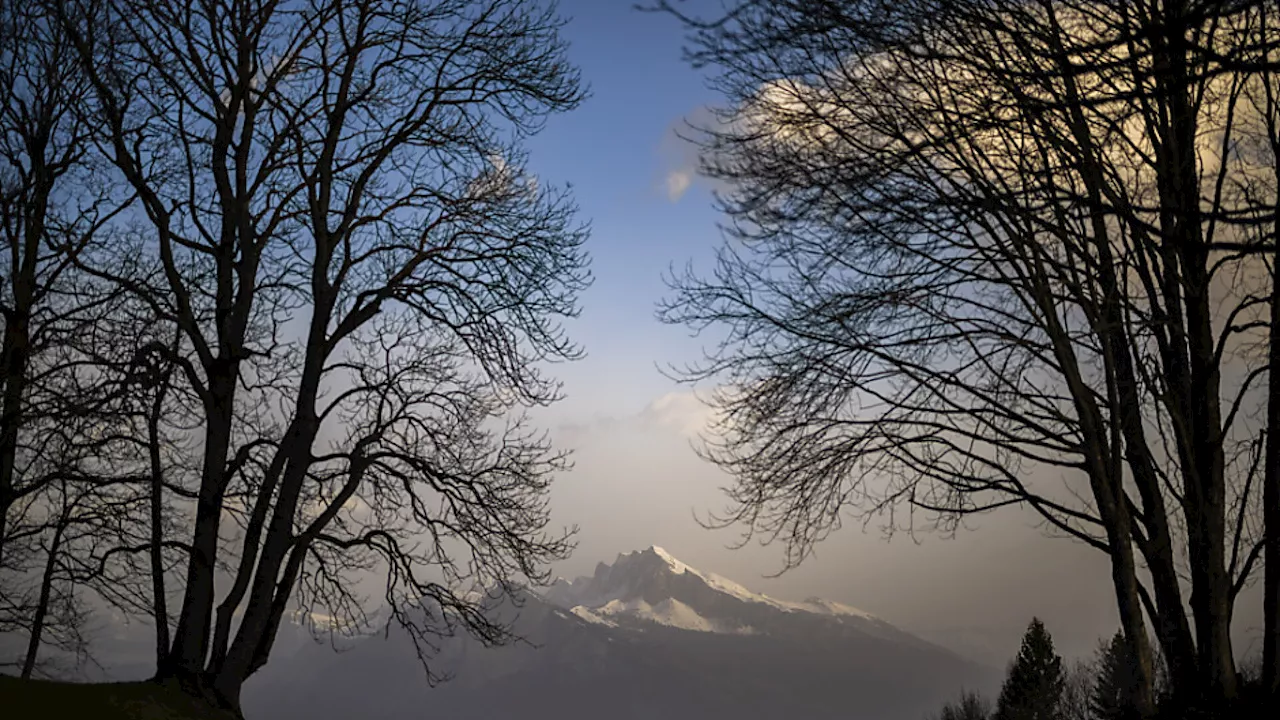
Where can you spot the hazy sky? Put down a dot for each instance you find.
(637, 481)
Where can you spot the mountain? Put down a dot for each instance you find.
(652, 587)
(645, 637)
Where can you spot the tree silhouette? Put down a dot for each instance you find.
(54, 205)
(970, 706)
(1113, 688)
(354, 287)
(1034, 686)
(981, 255)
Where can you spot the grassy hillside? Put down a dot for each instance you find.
(39, 699)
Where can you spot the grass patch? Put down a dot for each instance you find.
(40, 699)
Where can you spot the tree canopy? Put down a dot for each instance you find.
(327, 290)
(996, 254)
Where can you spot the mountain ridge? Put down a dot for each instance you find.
(562, 587)
(652, 586)
(645, 636)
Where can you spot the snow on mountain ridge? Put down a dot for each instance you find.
(723, 584)
(676, 566)
(643, 586)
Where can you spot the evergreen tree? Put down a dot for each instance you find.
(1034, 686)
(1112, 697)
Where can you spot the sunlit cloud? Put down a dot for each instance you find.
(680, 411)
(677, 183)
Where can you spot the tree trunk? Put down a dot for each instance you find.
(16, 353)
(1125, 582)
(185, 660)
(1203, 463)
(257, 626)
(248, 560)
(14, 361)
(1128, 426)
(1271, 502)
(254, 624)
(159, 607)
(42, 604)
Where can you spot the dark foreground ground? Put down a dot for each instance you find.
(49, 700)
(42, 699)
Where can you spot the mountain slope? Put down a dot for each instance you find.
(652, 587)
(647, 636)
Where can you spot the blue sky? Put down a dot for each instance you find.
(618, 150)
(637, 481)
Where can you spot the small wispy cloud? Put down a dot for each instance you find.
(679, 412)
(678, 181)
(680, 153)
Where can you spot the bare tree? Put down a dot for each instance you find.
(365, 286)
(970, 706)
(58, 616)
(1266, 100)
(1077, 689)
(977, 249)
(53, 205)
(42, 146)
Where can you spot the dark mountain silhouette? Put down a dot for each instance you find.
(645, 637)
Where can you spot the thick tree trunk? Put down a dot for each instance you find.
(254, 625)
(186, 659)
(1169, 614)
(1130, 435)
(1125, 582)
(248, 560)
(1201, 452)
(1204, 476)
(15, 354)
(256, 632)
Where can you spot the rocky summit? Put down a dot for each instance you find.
(646, 636)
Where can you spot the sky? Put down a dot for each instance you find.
(637, 481)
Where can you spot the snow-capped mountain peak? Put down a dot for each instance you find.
(676, 566)
(653, 587)
(644, 636)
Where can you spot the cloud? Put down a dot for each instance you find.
(575, 432)
(680, 152)
(679, 156)
(681, 411)
(677, 183)
(501, 180)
